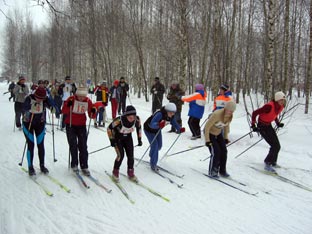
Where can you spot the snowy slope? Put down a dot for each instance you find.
(201, 206)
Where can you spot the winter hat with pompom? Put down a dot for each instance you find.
(171, 107)
(130, 110)
(199, 87)
(230, 106)
(279, 96)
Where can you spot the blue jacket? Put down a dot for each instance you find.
(197, 102)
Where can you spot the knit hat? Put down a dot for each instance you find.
(230, 106)
(279, 96)
(199, 87)
(40, 93)
(130, 110)
(224, 87)
(170, 107)
(21, 78)
(116, 82)
(81, 91)
(67, 78)
(156, 78)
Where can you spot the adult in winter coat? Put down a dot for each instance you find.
(216, 141)
(123, 89)
(34, 120)
(174, 96)
(197, 102)
(67, 89)
(114, 98)
(56, 98)
(157, 90)
(267, 114)
(102, 95)
(225, 95)
(20, 91)
(11, 88)
(152, 130)
(120, 136)
(75, 109)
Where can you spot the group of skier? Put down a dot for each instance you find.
(76, 105)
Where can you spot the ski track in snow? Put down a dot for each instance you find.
(201, 206)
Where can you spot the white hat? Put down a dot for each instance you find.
(81, 92)
(170, 107)
(230, 105)
(279, 96)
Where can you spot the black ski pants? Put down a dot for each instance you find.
(218, 152)
(124, 145)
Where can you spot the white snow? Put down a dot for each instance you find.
(201, 206)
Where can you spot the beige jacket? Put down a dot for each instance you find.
(216, 122)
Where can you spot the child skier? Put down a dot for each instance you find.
(119, 133)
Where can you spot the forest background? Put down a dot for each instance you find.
(259, 46)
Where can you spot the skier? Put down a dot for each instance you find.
(20, 91)
(75, 108)
(65, 90)
(174, 96)
(102, 95)
(197, 102)
(225, 95)
(216, 141)
(114, 98)
(267, 114)
(123, 89)
(34, 120)
(157, 90)
(152, 130)
(119, 133)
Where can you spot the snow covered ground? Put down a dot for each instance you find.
(201, 206)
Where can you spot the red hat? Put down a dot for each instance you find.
(40, 93)
(116, 82)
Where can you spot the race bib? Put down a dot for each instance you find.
(35, 107)
(80, 107)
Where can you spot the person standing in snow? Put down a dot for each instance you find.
(34, 120)
(102, 94)
(11, 88)
(66, 90)
(267, 114)
(123, 89)
(157, 91)
(152, 130)
(114, 98)
(174, 96)
(75, 108)
(20, 91)
(216, 141)
(120, 135)
(197, 102)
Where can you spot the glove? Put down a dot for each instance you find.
(93, 110)
(155, 92)
(140, 141)
(53, 110)
(70, 103)
(254, 128)
(182, 130)
(113, 142)
(226, 141)
(280, 125)
(208, 144)
(162, 124)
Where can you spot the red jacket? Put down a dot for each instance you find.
(268, 113)
(78, 110)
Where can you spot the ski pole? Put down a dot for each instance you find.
(53, 142)
(31, 119)
(170, 147)
(99, 149)
(248, 148)
(159, 130)
(195, 147)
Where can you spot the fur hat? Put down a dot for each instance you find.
(130, 110)
(230, 105)
(199, 87)
(171, 107)
(224, 87)
(279, 96)
(21, 78)
(40, 93)
(81, 91)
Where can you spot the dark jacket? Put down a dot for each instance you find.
(175, 95)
